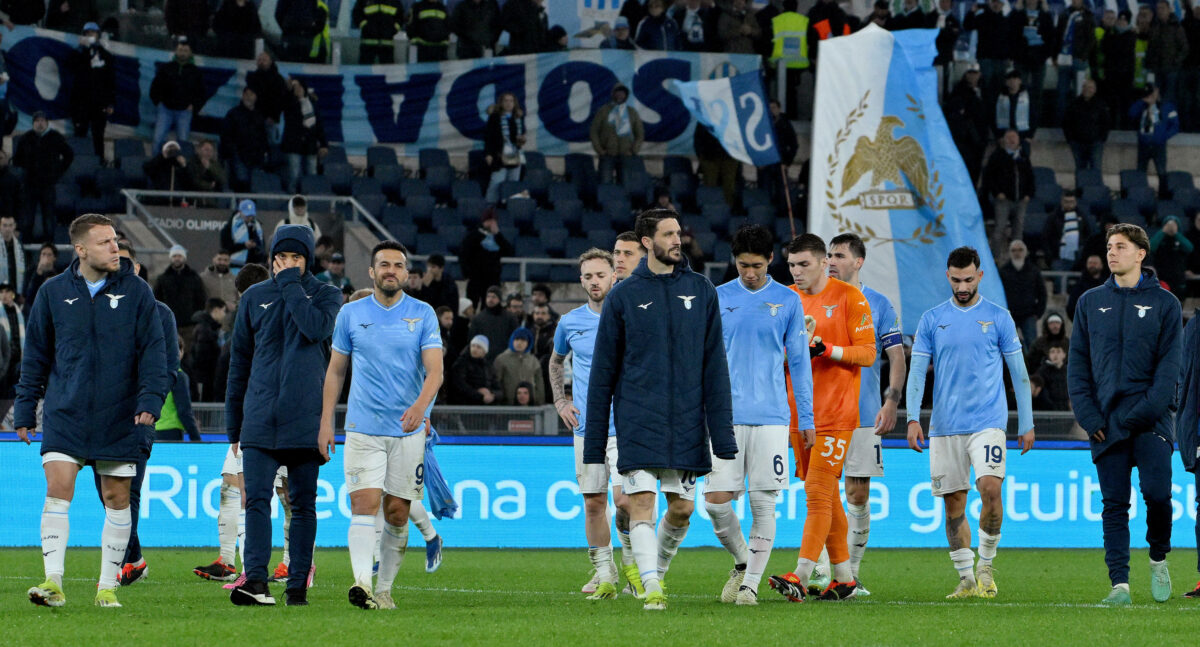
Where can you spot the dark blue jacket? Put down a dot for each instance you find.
(659, 360)
(1189, 396)
(97, 362)
(1125, 360)
(277, 357)
(1165, 128)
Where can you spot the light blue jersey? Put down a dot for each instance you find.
(763, 330)
(967, 348)
(385, 345)
(576, 334)
(887, 334)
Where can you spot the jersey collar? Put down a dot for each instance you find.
(403, 296)
(766, 285)
(955, 305)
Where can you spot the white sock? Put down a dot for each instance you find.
(227, 522)
(241, 536)
(360, 539)
(379, 522)
(56, 526)
(391, 555)
(804, 569)
(420, 518)
(602, 561)
(669, 538)
(843, 573)
(987, 547)
(113, 541)
(964, 563)
(1124, 586)
(858, 518)
(729, 530)
(821, 568)
(762, 537)
(287, 531)
(622, 522)
(644, 547)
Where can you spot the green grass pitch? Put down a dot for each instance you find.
(530, 597)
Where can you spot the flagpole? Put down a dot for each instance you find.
(787, 194)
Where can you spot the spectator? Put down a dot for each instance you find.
(322, 254)
(543, 321)
(168, 171)
(1037, 389)
(657, 31)
(1166, 50)
(1142, 74)
(717, 166)
(180, 288)
(416, 278)
(516, 365)
(992, 49)
(243, 236)
(1085, 127)
(462, 322)
(556, 39)
(540, 296)
(772, 177)
(298, 215)
(22, 12)
(969, 121)
(1117, 50)
(1054, 372)
(237, 25)
(439, 290)
(335, 273)
(697, 26)
(527, 26)
(620, 38)
(304, 30)
(1170, 250)
(633, 11)
(524, 395)
(1054, 331)
(1015, 109)
(493, 322)
(178, 91)
(480, 257)
(515, 305)
(177, 417)
(949, 29)
(477, 25)
(244, 144)
(189, 18)
(379, 21)
(206, 348)
(911, 18)
(691, 249)
(1189, 76)
(1157, 122)
(737, 28)
(12, 326)
(617, 133)
(71, 15)
(303, 133)
(450, 350)
(826, 19)
(1193, 271)
(219, 281)
(249, 275)
(47, 267)
(1025, 290)
(10, 188)
(272, 92)
(429, 30)
(94, 89)
(472, 375)
(1008, 182)
(44, 155)
(503, 138)
(1033, 40)
(12, 255)
(881, 14)
(1076, 47)
(1066, 230)
(207, 172)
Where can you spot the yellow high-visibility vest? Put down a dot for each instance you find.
(791, 40)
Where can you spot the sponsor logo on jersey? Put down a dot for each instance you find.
(645, 306)
(71, 301)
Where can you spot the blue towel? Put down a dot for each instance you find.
(441, 498)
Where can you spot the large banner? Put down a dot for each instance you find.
(526, 497)
(424, 105)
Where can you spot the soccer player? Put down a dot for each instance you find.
(94, 353)
(864, 458)
(231, 512)
(1188, 423)
(1123, 368)
(842, 341)
(273, 406)
(627, 253)
(659, 363)
(576, 335)
(395, 344)
(763, 327)
(969, 340)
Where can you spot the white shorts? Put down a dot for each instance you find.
(951, 459)
(762, 456)
(233, 462)
(596, 478)
(394, 465)
(103, 468)
(674, 481)
(864, 459)
(280, 476)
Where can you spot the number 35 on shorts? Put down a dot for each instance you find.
(834, 450)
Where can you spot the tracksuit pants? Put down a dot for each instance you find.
(1151, 454)
(258, 468)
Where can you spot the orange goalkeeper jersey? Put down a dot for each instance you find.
(843, 319)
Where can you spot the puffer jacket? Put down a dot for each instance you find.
(659, 360)
(1189, 396)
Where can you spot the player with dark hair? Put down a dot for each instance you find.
(763, 327)
(627, 252)
(94, 353)
(969, 340)
(659, 363)
(1122, 374)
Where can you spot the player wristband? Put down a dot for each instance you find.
(834, 353)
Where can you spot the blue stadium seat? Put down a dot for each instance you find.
(420, 209)
(429, 244)
(632, 164)
(561, 191)
(521, 211)
(528, 247)
(569, 212)
(316, 185)
(606, 193)
(405, 234)
(538, 180)
(440, 179)
(477, 166)
(762, 215)
(135, 174)
(265, 182)
(706, 195)
(372, 203)
(471, 209)
(553, 240)
(390, 178)
(1167, 208)
(574, 247)
(83, 170)
(1177, 180)
(640, 188)
(510, 273)
(1044, 175)
(753, 197)
(594, 221)
(1190, 199)
(534, 160)
(381, 156)
(411, 188)
(1086, 177)
(83, 146)
(579, 167)
(1051, 193)
(1099, 198)
(128, 147)
(340, 177)
(707, 240)
(509, 188)
(464, 189)
(694, 222)
(735, 224)
(564, 273)
(364, 185)
(335, 155)
(783, 229)
(683, 189)
(620, 215)
(1132, 178)
(602, 238)
(1144, 197)
(722, 252)
(717, 215)
(1035, 223)
(393, 214)
(428, 158)
(673, 164)
(452, 236)
(110, 181)
(1126, 211)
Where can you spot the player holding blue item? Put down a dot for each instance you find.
(969, 340)
(576, 335)
(762, 323)
(396, 347)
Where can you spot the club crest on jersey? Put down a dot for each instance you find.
(113, 299)
(829, 311)
(984, 325)
(1142, 310)
(774, 307)
(412, 324)
(687, 302)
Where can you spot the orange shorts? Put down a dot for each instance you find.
(827, 455)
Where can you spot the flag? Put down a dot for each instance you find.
(441, 498)
(885, 167)
(734, 110)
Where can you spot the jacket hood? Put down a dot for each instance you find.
(1178, 222)
(620, 87)
(643, 269)
(293, 218)
(521, 333)
(299, 233)
(1065, 331)
(1149, 281)
(126, 268)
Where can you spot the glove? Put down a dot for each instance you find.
(817, 349)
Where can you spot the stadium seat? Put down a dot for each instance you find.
(381, 156)
(521, 211)
(576, 246)
(538, 180)
(553, 240)
(372, 203)
(477, 166)
(82, 146)
(707, 240)
(420, 209)
(706, 195)
(364, 185)
(428, 158)
(1035, 224)
(569, 212)
(128, 147)
(783, 229)
(620, 215)
(594, 221)
(510, 188)
(393, 214)
(762, 215)
(547, 220)
(632, 164)
(411, 188)
(1051, 193)
(452, 236)
(602, 238)
(754, 197)
(316, 185)
(694, 222)
(1044, 175)
(186, 148)
(1088, 177)
(735, 224)
(1144, 198)
(1131, 178)
(83, 171)
(430, 244)
(534, 160)
(722, 252)
(132, 168)
(389, 179)
(561, 191)
(606, 193)
(264, 182)
(527, 247)
(471, 209)
(109, 181)
(1167, 208)
(1189, 199)
(563, 273)
(335, 155)
(640, 188)
(673, 164)
(1177, 180)
(464, 189)
(579, 167)
(440, 180)
(683, 189)
(405, 234)
(340, 177)
(1099, 198)
(717, 215)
